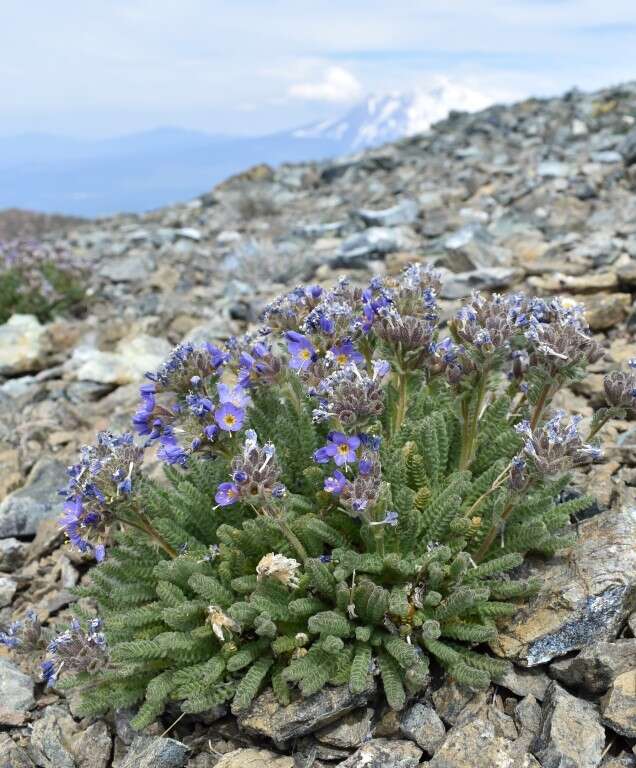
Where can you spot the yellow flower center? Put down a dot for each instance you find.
(341, 359)
(305, 354)
(230, 419)
(344, 448)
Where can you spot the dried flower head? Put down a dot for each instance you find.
(280, 568)
(222, 623)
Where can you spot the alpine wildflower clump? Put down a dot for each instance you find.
(349, 494)
(39, 279)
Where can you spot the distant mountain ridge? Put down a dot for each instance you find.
(141, 171)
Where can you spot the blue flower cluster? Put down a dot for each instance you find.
(76, 651)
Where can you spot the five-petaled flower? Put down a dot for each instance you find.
(229, 417)
(226, 494)
(340, 448)
(301, 350)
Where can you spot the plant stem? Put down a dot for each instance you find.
(146, 528)
(497, 482)
(490, 537)
(540, 406)
(599, 426)
(400, 408)
(471, 421)
(293, 540)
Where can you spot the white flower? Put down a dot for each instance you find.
(279, 567)
(220, 621)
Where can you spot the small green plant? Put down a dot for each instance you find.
(38, 279)
(349, 494)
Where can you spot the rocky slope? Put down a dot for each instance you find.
(539, 196)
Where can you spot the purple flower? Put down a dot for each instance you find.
(141, 419)
(226, 494)
(380, 369)
(335, 483)
(343, 448)
(301, 349)
(171, 452)
(346, 353)
(365, 466)
(49, 673)
(229, 417)
(237, 396)
(211, 431)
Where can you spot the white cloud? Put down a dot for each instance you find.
(337, 85)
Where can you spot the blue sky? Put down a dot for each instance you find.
(95, 68)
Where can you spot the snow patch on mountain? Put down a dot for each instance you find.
(389, 117)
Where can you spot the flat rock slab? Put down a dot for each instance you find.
(254, 758)
(619, 705)
(22, 510)
(587, 593)
(384, 753)
(267, 717)
(476, 745)
(152, 752)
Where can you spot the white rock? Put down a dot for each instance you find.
(7, 590)
(21, 345)
(126, 365)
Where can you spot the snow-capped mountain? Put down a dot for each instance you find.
(380, 119)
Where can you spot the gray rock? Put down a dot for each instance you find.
(480, 708)
(422, 725)
(586, 595)
(22, 510)
(618, 706)
(312, 231)
(12, 554)
(527, 717)
(267, 717)
(22, 345)
(7, 590)
(254, 758)
(384, 753)
(374, 242)
(451, 699)
(11, 755)
(92, 748)
(128, 269)
(475, 745)
(349, 731)
(627, 148)
(461, 284)
(154, 752)
(597, 666)
(571, 734)
(553, 169)
(525, 682)
(620, 761)
(16, 688)
(189, 233)
(126, 365)
(51, 737)
(405, 212)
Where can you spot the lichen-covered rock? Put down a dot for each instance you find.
(525, 682)
(571, 734)
(51, 739)
(16, 688)
(22, 510)
(422, 724)
(266, 717)
(597, 666)
(475, 745)
(527, 717)
(384, 753)
(349, 731)
(12, 755)
(451, 698)
(92, 747)
(587, 593)
(154, 752)
(618, 706)
(254, 758)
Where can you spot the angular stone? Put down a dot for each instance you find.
(127, 365)
(527, 718)
(475, 745)
(627, 148)
(8, 587)
(405, 212)
(155, 752)
(21, 345)
(128, 269)
(93, 746)
(459, 285)
(451, 698)
(605, 310)
(254, 758)
(349, 731)
(587, 593)
(597, 666)
(618, 706)
(11, 755)
(384, 753)
(422, 725)
(22, 510)
(16, 688)
(51, 737)
(267, 717)
(357, 249)
(525, 682)
(571, 734)
(12, 554)
(620, 761)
